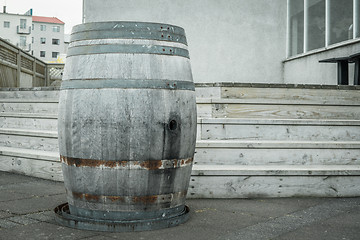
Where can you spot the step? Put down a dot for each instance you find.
(274, 93)
(29, 141)
(42, 164)
(28, 132)
(231, 109)
(30, 153)
(266, 144)
(276, 170)
(29, 107)
(278, 156)
(274, 181)
(279, 129)
(29, 100)
(28, 115)
(274, 186)
(29, 94)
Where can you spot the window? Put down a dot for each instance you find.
(22, 23)
(56, 28)
(42, 53)
(22, 41)
(314, 24)
(42, 40)
(6, 24)
(55, 54)
(42, 27)
(32, 39)
(32, 27)
(341, 21)
(55, 41)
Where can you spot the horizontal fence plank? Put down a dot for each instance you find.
(256, 144)
(278, 111)
(276, 170)
(273, 186)
(31, 167)
(30, 153)
(243, 156)
(293, 95)
(279, 132)
(29, 142)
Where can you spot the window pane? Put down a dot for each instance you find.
(296, 8)
(22, 41)
(341, 18)
(22, 23)
(6, 24)
(316, 28)
(55, 41)
(43, 40)
(42, 53)
(55, 54)
(56, 28)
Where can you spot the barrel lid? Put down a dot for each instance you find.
(128, 30)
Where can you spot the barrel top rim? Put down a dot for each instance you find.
(124, 22)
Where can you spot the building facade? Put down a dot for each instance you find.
(251, 41)
(17, 29)
(42, 37)
(48, 38)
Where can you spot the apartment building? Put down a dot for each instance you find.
(16, 29)
(42, 37)
(48, 38)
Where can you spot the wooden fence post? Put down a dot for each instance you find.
(18, 71)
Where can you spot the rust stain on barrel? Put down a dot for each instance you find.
(90, 197)
(110, 164)
(149, 165)
(152, 164)
(145, 199)
(189, 160)
(77, 195)
(116, 198)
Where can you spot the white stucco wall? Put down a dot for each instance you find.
(307, 69)
(229, 41)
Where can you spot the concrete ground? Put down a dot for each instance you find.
(26, 212)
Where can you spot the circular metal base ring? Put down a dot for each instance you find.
(64, 217)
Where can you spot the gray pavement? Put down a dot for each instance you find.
(26, 212)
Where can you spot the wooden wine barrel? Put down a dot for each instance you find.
(127, 126)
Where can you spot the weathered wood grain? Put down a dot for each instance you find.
(279, 132)
(284, 111)
(28, 123)
(273, 186)
(29, 142)
(268, 156)
(293, 95)
(32, 167)
(28, 107)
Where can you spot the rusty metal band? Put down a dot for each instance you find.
(127, 49)
(127, 83)
(128, 30)
(125, 164)
(128, 200)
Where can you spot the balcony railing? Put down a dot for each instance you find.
(26, 47)
(21, 30)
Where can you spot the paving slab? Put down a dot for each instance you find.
(44, 230)
(26, 212)
(6, 178)
(33, 205)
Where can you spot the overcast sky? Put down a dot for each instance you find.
(68, 11)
